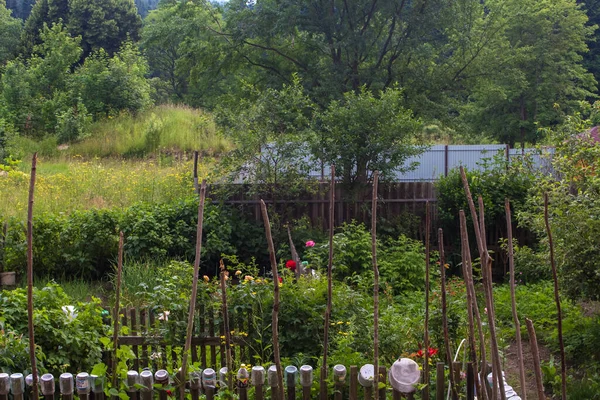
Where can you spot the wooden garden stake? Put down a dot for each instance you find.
(444, 313)
(323, 382)
(227, 333)
(472, 306)
(563, 361)
(536, 359)
(32, 359)
(485, 268)
(116, 311)
(275, 314)
(192, 309)
(426, 339)
(375, 280)
(513, 300)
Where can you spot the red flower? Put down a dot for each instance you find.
(291, 265)
(419, 353)
(432, 352)
(280, 279)
(169, 393)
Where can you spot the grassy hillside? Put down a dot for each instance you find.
(126, 159)
(165, 129)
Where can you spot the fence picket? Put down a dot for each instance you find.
(134, 331)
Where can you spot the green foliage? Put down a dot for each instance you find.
(108, 85)
(101, 25)
(495, 182)
(69, 341)
(401, 261)
(271, 133)
(10, 30)
(14, 351)
(84, 243)
(365, 133)
(574, 202)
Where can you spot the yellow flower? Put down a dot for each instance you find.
(238, 273)
(206, 278)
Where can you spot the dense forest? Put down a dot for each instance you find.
(458, 71)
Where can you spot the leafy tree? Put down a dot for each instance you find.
(10, 30)
(272, 132)
(540, 77)
(36, 90)
(363, 133)
(107, 85)
(101, 24)
(335, 46)
(574, 204)
(20, 8)
(184, 50)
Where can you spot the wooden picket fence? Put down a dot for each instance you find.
(208, 346)
(141, 386)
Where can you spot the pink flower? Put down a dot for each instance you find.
(310, 243)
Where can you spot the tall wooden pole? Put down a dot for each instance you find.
(226, 329)
(375, 281)
(536, 359)
(472, 307)
(192, 308)
(445, 314)
(116, 311)
(563, 361)
(323, 382)
(275, 313)
(32, 360)
(513, 299)
(485, 268)
(426, 338)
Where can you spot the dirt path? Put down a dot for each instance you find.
(511, 368)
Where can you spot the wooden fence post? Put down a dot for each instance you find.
(4, 386)
(306, 378)
(17, 386)
(209, 382)
(440, 381)
(65, 382)
(258, 381)
(365, 378)
(470, 381)
(82, 383)
(291, 372)
(147, 382)
(133, 379)
(243, 378)
(339, 378)
(353, 392)
(97, 384)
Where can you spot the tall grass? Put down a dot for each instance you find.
(162, 129)
(79, 185)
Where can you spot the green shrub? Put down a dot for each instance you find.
(401, 261)
(495, 182)
(84, 244)
(69, 342)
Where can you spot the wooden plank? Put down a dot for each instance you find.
(382, 379)
(144, 331)
(134, 331)
(211, 332)
(202, 314)
(470, 381)
(353, 393)
(440, 382)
